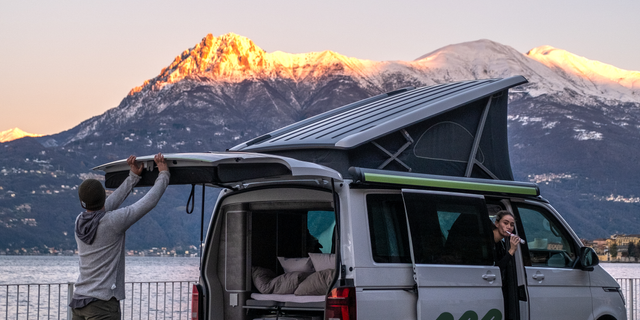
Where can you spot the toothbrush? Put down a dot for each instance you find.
(511, 234)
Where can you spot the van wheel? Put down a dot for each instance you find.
(607, 317)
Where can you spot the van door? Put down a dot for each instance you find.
(452, 255)
(557, 290)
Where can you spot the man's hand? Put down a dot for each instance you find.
(136, 167)
(160, 163)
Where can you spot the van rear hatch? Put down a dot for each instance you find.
(224, 169)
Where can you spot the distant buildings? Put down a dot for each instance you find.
(192, 251)
(618, 248)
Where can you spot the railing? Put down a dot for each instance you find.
(630, 290)
(145, 300)
(159, 300)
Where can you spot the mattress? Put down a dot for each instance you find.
(287, 298)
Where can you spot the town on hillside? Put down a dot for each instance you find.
(179, 251)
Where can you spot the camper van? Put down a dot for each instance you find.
(382, 209)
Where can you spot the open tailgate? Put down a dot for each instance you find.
(223, 169)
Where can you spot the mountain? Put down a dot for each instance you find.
(598, 78)
(572, 128)
(15, 133)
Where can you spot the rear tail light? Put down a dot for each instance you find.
(341, 304)
(195, 303)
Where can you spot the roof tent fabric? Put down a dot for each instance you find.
(425, 130)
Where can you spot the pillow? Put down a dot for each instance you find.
(262, 279)
(296, 264)
(267, 282)
(323, 261)
(288, 283)
(317, 283)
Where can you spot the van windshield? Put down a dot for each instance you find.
(321, 225)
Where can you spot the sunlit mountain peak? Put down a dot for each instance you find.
(581, 67)
(234, 58)
(14, 134)
(214, 56)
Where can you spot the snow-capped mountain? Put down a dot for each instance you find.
(233, 75)
(573, 128)
(16, 133)
(232, 58)
(593, 77)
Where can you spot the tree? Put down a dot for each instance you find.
(634, 251)
(613, 251)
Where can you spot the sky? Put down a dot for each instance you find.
(63, 62)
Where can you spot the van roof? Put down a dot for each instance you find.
(362, 121)
(456, 129)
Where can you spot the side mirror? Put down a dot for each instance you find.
(588, 258)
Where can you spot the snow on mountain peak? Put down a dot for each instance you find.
(232, 58)
(469, 50)
(580, 67)
(14, 134)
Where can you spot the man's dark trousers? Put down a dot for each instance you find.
(98, 310)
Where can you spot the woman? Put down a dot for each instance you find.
(503, 233)
(506, 243)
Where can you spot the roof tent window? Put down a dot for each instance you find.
(436, 143)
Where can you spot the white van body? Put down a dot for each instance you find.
(294, 239)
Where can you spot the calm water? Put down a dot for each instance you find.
(622, 270)
(152, 300)
(63, 269)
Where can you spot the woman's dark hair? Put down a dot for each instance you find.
(499, 215)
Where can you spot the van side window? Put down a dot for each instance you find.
(449, 229)
(388, 228)
(548, 243)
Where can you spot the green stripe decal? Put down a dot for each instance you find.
(450, 184)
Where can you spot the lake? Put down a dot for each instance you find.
(63, 269)
(29, 292)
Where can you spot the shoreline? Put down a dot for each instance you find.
(75, 255)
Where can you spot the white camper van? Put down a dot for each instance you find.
(382, 209)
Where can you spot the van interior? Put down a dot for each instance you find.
(275, 251)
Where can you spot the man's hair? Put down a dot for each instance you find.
(91, 194)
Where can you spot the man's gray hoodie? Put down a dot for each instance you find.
(102, 262)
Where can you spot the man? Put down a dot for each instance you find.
(100, 235)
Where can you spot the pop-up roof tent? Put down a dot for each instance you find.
(455, 129)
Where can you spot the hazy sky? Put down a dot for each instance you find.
(66, 61)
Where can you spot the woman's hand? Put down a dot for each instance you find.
(515, 242)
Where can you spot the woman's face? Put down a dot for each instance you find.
(506, 224)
